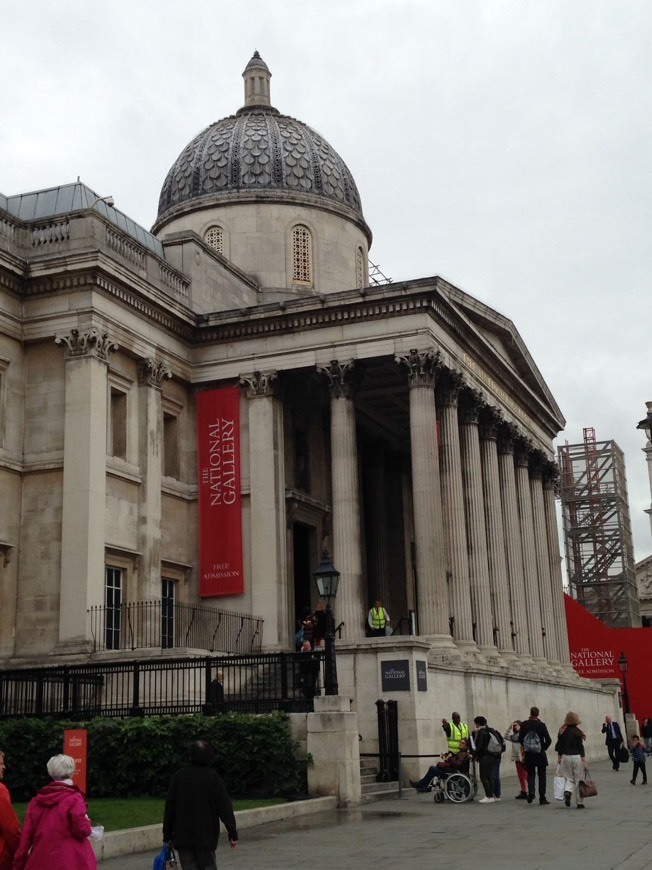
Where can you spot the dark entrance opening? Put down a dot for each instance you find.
(302, 536)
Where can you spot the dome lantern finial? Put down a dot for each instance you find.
(256, 82)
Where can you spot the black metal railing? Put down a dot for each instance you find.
(251, 683)
(154, 624)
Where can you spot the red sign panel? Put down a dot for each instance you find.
(220, 502)
(75, 744)
(595, 649)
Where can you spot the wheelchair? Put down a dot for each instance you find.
(458, 787)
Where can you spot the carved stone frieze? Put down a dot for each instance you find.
(259, 384)
(343, 378)
(422, 366)
(152, 373)
(91, 343)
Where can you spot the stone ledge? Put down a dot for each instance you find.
(148, 838)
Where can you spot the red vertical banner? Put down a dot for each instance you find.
(220, 500)
(75, 744)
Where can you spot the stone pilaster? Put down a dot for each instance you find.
(267, 506)
(432, 592)
(151, 374)
(532, 602)
(452, 498)
(554, 558)
(347, 538)
(543, 561)
(478, 557)
(497, 560)
(84, 482)
(513, 549)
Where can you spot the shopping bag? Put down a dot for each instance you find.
(166, 859)
(588, 787)
(559, 784)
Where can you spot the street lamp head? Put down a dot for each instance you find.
(327, 577)
(646, 423)
(623, 664)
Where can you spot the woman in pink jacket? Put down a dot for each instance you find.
(57, 827)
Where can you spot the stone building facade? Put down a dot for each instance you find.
(405, 424)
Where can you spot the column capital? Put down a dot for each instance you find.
(343, 378)
(471, 404)
(550, 475)
(422, 366)
(522, 452)
(449, 386)
(490, 421)
(91, 343)
(259, 383)
(507, 435)
(152, 373)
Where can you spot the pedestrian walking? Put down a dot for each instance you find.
(535, 739)
(613, 740)
(638, 757)
(570, 757)
(9, 824)
(196, 802)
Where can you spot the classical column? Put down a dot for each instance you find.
(478, 556)
(554, 559)
(350, 604)
(513, 550)
(84, 482)
(150, 376)
(432, 592)
(377, 530)
(452, 498)
(531, 578)
(543, 560)
(497, 561)
(267, 507)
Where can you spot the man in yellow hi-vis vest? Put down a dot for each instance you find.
(378, 620)
(455, 732)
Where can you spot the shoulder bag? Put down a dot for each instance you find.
(587, 787)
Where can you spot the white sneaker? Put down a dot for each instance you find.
(486, 800)
(496, 800)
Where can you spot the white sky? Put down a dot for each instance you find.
(502, 144)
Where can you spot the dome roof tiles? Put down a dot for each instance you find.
(257, 150)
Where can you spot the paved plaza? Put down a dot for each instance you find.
(612, 833)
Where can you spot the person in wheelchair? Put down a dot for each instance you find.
(450, 763)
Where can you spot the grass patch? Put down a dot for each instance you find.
(116, 814)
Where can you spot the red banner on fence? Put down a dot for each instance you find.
(75, 744)
(220, 502)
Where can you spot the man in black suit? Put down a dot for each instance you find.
(613, 740)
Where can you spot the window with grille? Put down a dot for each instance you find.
(301, 256)
(112, 607)
(214, 238)
(168, 593)
(360, 272)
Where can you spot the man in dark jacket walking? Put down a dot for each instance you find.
(613, 740)
(196, 801)
(534, 749)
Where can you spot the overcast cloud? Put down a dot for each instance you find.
(503, 145)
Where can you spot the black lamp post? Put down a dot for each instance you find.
(623, 664)
(327, 578)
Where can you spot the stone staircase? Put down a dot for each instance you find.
(372, 790)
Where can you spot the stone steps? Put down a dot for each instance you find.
(370, 789)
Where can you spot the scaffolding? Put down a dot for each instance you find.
(597, 530)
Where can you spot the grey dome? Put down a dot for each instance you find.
(257, 151)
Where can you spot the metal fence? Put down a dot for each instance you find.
(165, 625)
(251, 683)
